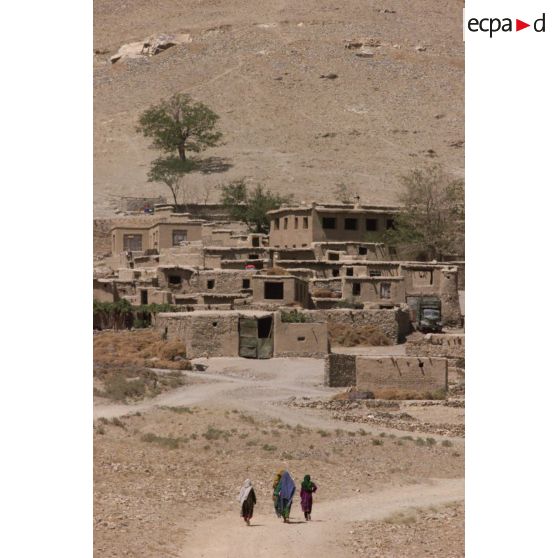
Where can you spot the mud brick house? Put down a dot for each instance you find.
(280, 290)
(153, 233)
(299, 227)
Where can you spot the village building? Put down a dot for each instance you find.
(280, 290)
(154, 233)
(250, 334)
(300, 226)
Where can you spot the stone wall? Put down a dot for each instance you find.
(401, 374)
(392, 322)
(300, 339)
(340, 370)
(444, 345)
(204, 334)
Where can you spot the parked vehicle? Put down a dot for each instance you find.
(429, 314)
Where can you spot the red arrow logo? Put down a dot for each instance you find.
(519, 25)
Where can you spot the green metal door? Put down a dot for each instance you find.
(256, 337)
(248, 333)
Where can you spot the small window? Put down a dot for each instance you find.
(245, 283)
(255, 242)
(133, 242)
(305, 222)
(286, 223)
(356, 289)
(351, 224)
(374, 273)
(385, 290)
(349, 272)
(273, 290)
(253, 256)
(296, 223)
(144, 298)
(335, 273)
(332, 256)
(362, 250)
(371, 224)
(328, 223)
(178, 237)
(277, 224)
(390, 224)
(211, 284)
(175, 279)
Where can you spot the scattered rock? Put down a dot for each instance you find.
(365, 52)
(200, 367)
(364, 42)
(329, 76)
(420, 48)
(151, 46)
(457, 144)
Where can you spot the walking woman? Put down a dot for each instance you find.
(276, 491)
(284, 490)
(247, 499)
(307, 488)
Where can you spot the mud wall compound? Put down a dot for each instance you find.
(300, 339)
(382, 374)
(204, 334)
(393, 323)
(401, 374)
(443, 345)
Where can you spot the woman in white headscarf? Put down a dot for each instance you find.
(247, 499)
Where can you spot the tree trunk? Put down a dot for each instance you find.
(182, 153)
(174, 196)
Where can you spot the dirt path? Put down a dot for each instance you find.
(256, 386)
(227, 537)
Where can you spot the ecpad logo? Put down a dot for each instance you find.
(493, 25)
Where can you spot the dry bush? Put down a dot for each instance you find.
(401, 518)
(350, 335)
(122, 362)
(138, 348)
(274, 271)
(324, 293)
(131, 383)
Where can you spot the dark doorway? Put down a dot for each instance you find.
(143, 294)
(264, 327)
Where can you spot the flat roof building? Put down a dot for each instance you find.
(300, 226)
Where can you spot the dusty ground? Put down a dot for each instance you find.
(258, 65)
(168, 469)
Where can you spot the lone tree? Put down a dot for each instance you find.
(170, 171)
(431, 223)
(251, 206)
(180, 125)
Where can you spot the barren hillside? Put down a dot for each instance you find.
(262, 66)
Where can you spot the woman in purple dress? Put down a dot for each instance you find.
(306, 490)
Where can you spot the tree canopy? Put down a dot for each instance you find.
(180, 124)
(170, 171)
(431, 222)
(251, 205)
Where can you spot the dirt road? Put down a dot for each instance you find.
(227, 537)
(256, 386)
